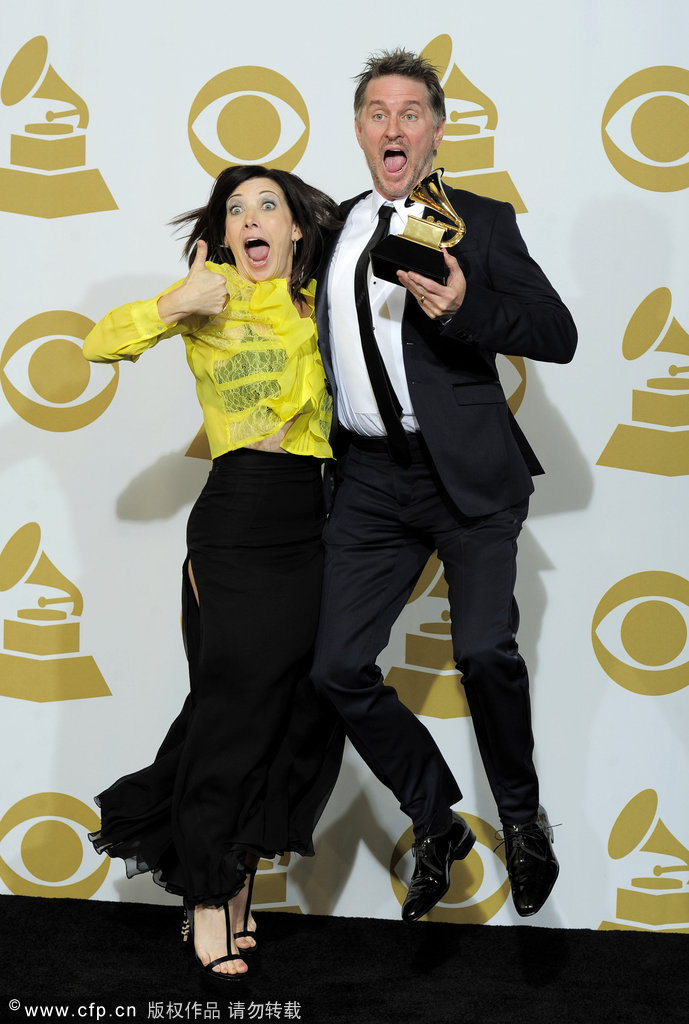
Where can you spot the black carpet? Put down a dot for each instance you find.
(94, 958)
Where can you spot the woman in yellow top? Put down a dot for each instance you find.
(245, 770)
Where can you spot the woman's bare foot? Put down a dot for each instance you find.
(237, 916)
(211, 940)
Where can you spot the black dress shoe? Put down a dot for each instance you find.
(434, 856)
(531, 863)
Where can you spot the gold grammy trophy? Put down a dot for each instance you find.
(40, 660)
(467, 148)
(659, 901)
(657, 439)
(48, 176)
(428, 681)
(420, 246)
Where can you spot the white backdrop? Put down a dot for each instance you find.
(581, 119)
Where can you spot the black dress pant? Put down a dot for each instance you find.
(386, 521)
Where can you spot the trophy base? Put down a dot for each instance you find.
(647, 450)
(395, 253)
(37, 194)
(51, 680)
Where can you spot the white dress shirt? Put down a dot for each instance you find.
(357, 409)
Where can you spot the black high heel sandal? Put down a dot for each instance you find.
(207, 969)
(245, 933)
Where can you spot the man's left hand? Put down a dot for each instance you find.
(438, 301)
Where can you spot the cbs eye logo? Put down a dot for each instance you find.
(47, 380)
(649, 111)
(42, 843)
(643, 620)
(255, 115)
(479, 886)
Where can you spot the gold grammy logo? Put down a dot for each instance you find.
(658, 439)
(48, 177)
(41, 850)
(639, 633)
(429, 683)
(478, 889)
(657, 128)
(469, 140)
(658, 901)
(40, 660)
(255, 115)
(199, 447)
(270, 885)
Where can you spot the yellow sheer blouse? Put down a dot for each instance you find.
(256, 364)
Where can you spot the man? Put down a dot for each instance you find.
(429, 456)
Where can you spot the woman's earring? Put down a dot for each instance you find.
(294, 248)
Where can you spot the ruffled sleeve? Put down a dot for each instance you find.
(128, 331)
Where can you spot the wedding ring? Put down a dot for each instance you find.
(422, 299)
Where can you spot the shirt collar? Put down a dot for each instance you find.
(376, 200)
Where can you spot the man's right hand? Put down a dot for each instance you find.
(438, 301)
(203, 291)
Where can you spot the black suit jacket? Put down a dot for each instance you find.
(481, 454)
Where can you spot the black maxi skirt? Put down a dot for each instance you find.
(248, 765)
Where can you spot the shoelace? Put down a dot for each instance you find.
(419, 844)
(534, 832)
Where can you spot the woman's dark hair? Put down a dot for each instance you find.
(313, 211)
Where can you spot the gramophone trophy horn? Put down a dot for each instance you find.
(22, 560)
(430, 193)
(662, 841)
(29, 74)
(420, 245)
(48, 575)
(55, 88)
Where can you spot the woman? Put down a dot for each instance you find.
(248, 766)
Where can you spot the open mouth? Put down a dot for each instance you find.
(394, 160)
(257, 250)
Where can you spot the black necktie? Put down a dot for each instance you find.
(388, 403)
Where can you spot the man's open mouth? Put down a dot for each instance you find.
(394, 160)
(257, 250)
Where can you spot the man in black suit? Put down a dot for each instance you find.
(430, 456)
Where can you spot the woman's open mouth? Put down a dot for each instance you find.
(257, 251)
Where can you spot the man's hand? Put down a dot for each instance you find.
(203, 291)
(436, 300)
